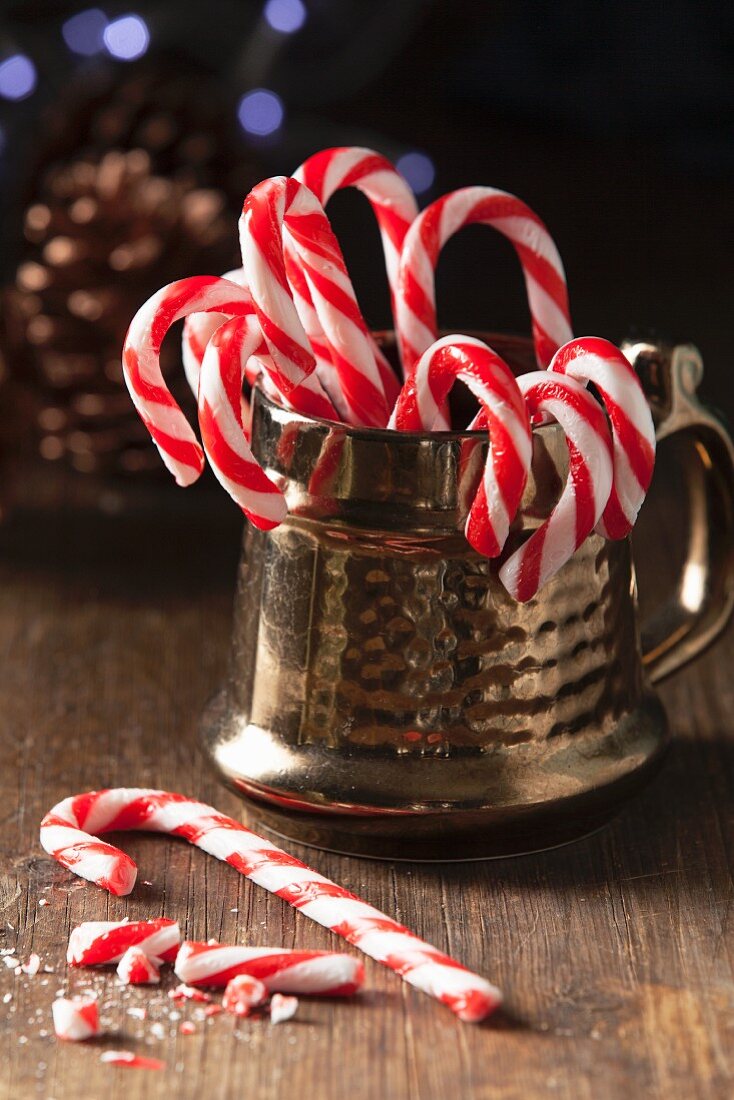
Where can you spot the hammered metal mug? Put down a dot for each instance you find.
(388, 698)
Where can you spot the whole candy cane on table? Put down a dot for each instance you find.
(169, 428)
(67, 834)
(100, 942)
(283, 202)
(511, 449)
(282, 970)
(587, 487)
(415, 302)
(591, 359)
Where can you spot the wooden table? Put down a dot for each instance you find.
(615, 953)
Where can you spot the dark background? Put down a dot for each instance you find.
(613, 120)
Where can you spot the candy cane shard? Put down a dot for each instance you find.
(279, 203)
(510, 452)
(154, 402)
(281, 970)
(587, 488)
(282, 1008)
(67, 834)
(243, 993)
(98, 943)
(76, 1018)
(545, 280)
(591, 359)
(135, 968)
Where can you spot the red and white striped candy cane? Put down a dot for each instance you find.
(394, 206)
(100, 942)
(389, 195)
(309, 398)
(67, 834)
(510, 452)
(591, 359)
(224, 417)
(282, 202)
(75, 1018)
(223, 430)
(198, 330)
(156, 406)
(415, 302)
(282, 970)
(587, 488)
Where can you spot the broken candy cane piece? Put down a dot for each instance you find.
(130, 1060)
(282, 1008)
(75, 1018)
(97, 942)
(243, 994)
(280, 969)
(135, 968)
(185, 992)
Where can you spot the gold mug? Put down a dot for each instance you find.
(388, 698)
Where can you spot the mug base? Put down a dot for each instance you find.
(447, 833)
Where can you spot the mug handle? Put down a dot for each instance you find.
(701, 605)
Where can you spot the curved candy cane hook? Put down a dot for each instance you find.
(419, 408)
(156, 406)
(587, 488)
(591, 359)
(415, 301)
(68, 834)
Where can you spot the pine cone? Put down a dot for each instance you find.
(139, 181)
(108, 234)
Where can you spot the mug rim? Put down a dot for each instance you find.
(398, 436)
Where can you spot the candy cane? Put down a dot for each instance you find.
(545, 281)
(587, 487)
(75, 1019)
(222, 426)
(510, 451)
(282, 970)
(394, 206)
(591, 359)
(156, 406)
(389, 195)
(65, 835)
(223, 410)
(100, 942)
(270, 207)
(200, 327)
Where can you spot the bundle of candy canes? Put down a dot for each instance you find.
(290, 317)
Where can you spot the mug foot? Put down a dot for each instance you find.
(560, 803)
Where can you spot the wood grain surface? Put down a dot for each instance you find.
(615, 953)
